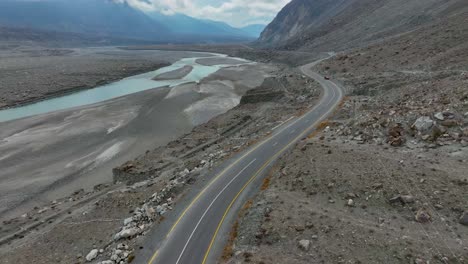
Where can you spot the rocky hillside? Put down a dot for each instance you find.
(416, 78)
(384, 179)
(322, 25)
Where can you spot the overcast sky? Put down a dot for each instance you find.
(235, 12)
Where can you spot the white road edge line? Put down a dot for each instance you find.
(282, 123)
(207, 209)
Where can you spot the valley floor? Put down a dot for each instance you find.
(373, 186)
(31, 73)
(65, 230)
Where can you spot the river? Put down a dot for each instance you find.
(120, 88)
(53, 147)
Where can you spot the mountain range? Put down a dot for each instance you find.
(323, 25)
(110, 19)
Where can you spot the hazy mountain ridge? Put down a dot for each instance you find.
(101, 18)
(254, 30)
(110, 19)
(336, 25)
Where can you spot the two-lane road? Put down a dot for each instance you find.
(199, 232)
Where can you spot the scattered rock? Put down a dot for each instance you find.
(92, 255)
(420, 261)
(395, 135)
(377, 186)
(465, 132)
(128, 220)
(403, 199)
(449, 123)
(106, 262)
(464, 219)
(350, 196)
(422, 216)
(304, 244)
(439, 116)
(423, 124)
(407, 199)
(127, 233)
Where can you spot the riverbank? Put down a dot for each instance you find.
(32, 74)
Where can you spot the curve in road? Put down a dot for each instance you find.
(199, 233)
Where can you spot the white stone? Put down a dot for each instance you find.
(139, 184)
(92, 255)
(127, 233)
(304, 244)
(128, 220)
(106, 262)
(423, 123)
(439, 116)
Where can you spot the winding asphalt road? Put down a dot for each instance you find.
(199, 232)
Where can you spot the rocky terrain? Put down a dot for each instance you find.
(384, 180)
(320, 25)
(328, 201)
(108, 224)
(410, 91)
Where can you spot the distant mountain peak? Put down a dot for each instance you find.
(114, 18)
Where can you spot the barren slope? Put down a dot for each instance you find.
(336, 25)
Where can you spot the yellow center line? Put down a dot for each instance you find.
(211, 183)
(253, 177)
(153, 258)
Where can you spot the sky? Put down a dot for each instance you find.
(237, 13)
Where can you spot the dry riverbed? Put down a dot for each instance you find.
(66, 230)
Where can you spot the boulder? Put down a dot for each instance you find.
(420, 261)
(436, 132)
(149, 211)
(128, 220)
(450, 123)
(403, 199)
(423, 124)
(407, 199)
(304, 244)
(92, 255)
(464, 219)
(126, 233)
(422, 216)
(439, 116)
(395, 135)
(465, 132)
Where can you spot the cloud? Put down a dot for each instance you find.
(235, 12)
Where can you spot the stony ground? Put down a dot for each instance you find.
(330, 202)
(386, 180)
(112, 220)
